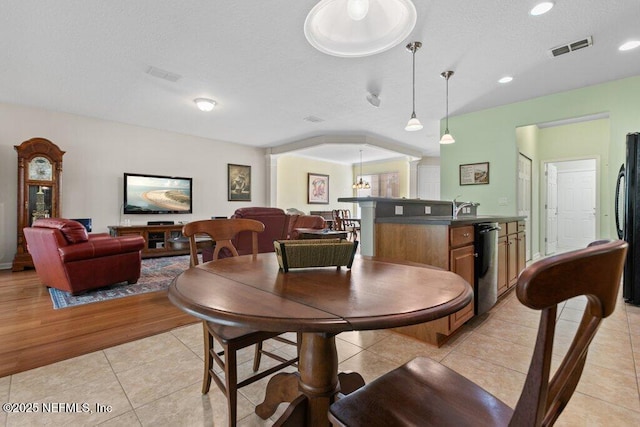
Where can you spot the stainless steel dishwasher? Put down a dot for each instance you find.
(485, 292)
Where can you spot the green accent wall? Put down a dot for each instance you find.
(491, 136)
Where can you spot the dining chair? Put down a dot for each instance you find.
(426, 393)
(353, 227)
(232, 339)
(342, 222)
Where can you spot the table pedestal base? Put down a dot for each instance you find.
(313, 388)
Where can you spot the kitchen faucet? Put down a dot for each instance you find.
(458, 207)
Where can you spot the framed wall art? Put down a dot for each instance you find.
(317, 189)
(474, 173)
(239, 183)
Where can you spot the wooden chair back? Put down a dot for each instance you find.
(594, 272)
(221, 232)
(338, 225)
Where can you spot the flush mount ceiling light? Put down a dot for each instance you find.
(447, 138)
(541, 8)
(629, 45)
(360, 184)
(354, 28)
(414, 124)
(506, 79)
(205, 104)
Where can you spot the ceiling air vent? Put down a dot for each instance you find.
(561, 50)
(313, 119)
(163, 74)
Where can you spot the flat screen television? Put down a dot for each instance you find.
(157, 194)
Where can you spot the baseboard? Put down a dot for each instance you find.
(5, 266)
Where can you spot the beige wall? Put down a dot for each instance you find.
(291, 191)
(98, 152)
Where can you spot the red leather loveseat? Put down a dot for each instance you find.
(277, 226)
(66, 257)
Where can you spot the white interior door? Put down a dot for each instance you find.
(429, 182)
(576, 208)
(524, 196)
(551, 208)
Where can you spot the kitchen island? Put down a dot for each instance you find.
(425, 231)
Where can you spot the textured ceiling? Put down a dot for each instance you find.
(90, 57)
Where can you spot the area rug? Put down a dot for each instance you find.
(156, 275)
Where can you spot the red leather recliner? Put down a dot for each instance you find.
(66, 257)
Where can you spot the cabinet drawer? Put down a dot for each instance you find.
(461, 236)
(512, 227)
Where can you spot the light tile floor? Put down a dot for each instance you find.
(156, 381)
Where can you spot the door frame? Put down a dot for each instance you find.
(543, 194)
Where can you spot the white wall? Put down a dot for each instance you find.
(98, 152)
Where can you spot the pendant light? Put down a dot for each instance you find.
(414, 124)
(360, 184)
(447, 138)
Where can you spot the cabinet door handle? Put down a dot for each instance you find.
(465, 235)
(475, 254)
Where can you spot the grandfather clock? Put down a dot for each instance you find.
(39, 170)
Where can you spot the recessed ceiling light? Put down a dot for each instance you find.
(505, 79)
(205, 104)
(541, 8)
(629, 45)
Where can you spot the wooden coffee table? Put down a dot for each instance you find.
(314, 233)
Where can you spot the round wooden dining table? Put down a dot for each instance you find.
(251, 292)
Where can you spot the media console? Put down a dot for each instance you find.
(160, 240)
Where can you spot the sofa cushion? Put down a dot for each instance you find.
(73, 231)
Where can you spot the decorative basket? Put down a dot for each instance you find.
(314, 253)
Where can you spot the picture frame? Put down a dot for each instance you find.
(317, 189)
(238, 183)
(474, 174)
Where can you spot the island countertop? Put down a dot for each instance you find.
(447, 220)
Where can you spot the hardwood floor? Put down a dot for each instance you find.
(33, 334)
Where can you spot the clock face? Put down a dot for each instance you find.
(40, 169)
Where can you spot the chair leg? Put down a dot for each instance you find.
(208, 359)
(257, 357)
(231, 379)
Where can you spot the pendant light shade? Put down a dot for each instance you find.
(353, 28)
(447, 138)
(360, 184)
(413, 124)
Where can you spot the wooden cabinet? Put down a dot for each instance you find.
(511, 254)
(503, 281)
(160, 240)
(450, 248)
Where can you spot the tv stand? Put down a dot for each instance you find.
(160, 240)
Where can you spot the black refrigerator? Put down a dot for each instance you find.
(627, 206)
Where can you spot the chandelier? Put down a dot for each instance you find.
(360, 184)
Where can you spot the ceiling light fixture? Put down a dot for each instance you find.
(447, 138)
(360, 184)
(414, 124)
(541, 8)
(506, 79)
(629, 45)
(205, 104)
(357, 9)
(353, 28)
